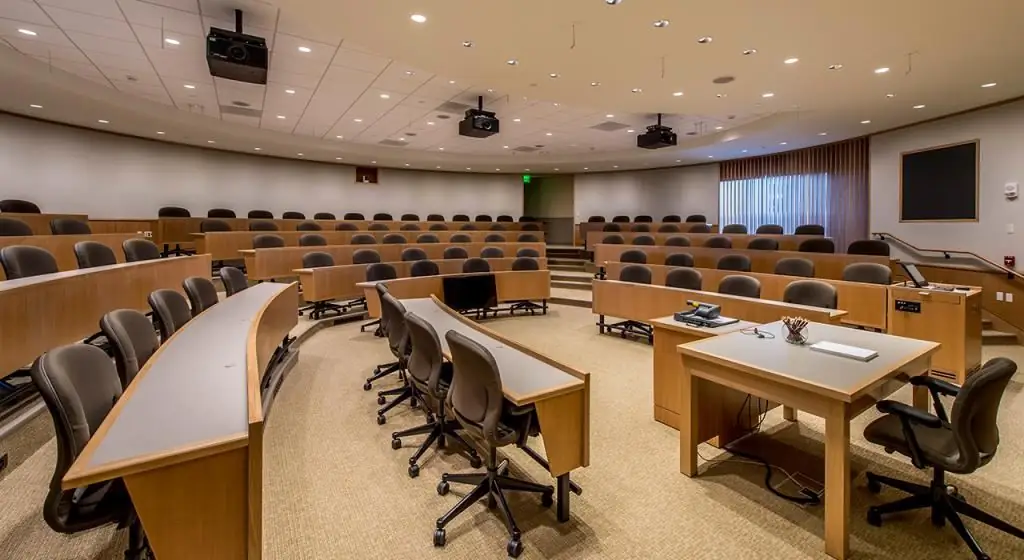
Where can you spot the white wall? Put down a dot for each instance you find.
(1001, 132)
(679, 190)
(65, 169)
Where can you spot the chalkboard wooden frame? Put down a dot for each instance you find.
(977, 181)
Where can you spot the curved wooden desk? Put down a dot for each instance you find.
(513, 285)
(739, 241)
(187, 434)
(62, 247)
(43, 312)
(561, 394)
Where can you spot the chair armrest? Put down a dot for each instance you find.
(910, 413)
(934, 384)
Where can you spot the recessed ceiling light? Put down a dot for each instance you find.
(612, 2)
(299, 154)
(170, 41)
(609, 116)
(637, 90)
(210, 142)
(595, 84)
(431, 123)
(34, 106)
(768, 94)
(385, 96)
(257, 149)
(783, 143)
(490, 90)
(919, 106)
(556, 169)
(305, 49)
(709, 157)
(280, 116)
(451, 82)
(865, 122)
(339, 137)
(374, 161)
(104, 121)
(881, 70)
(743, 151)
(677, 94)
(160, 132)
(418, 18)
(358, 120)
(660, 23)
(516, 120)
(467, 44)
(990, 84)
(890, 95)
(438, 167)
(28, 32)
(615, 167)
(749, 52)
(469, 169)
(190, 86)
(835, 66)
(442, 149)
(407, 165)
(506, 147)
(555, 104)
(497, 169)
(679, 161)
(338, 158)
(705, 40)
(791, 60)
(289, 91)
(548, 134)
(553, 75)
(721, 95)
(401, 139)
(511, 62)
(822, 134)
(631, 131)
(719, 128)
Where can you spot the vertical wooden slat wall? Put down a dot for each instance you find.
(826, 185)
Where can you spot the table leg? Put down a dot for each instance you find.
(837, 481)
(688, 422)
(789, 413)
(563, 497)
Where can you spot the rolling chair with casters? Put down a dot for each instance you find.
(718, 242)
(475, 264)
(674, 218)
(90, 254)
(262, 225)
(620, 219)
(409, 227)
(345, 226)
(260, 215)
(410, 217)
(497, 227)
(435, 218)
(79, 385)
(382, 329)
(699, 228)
(431, 378)
(528, 252)
(494, 238)
(16, 206)
(477, 402)
(455, 253)
(482, 218)
(633, 256)
(309, 226)
(293, 216)
(677, 241)
(684, 278)
(201, 292)
(737, 263)
(527, 262)
(324, 216)
(531, 227)
(795, 266)
(739, 285)
(869, 247)
(696, 218)
(353, 216)
(505, 218)
(870, 273)
(643, 218)
(377, 272)
(438, 227)
(412, 254)
(424, 267)
(611, 227)
(69, 226)
(312, 240)
(735, 228)
(170, 311)
(467, 227)
(234, 280)
(378, 227)
(427, 238)
(24, 261)
(492, 253)
(646, 240)
(136, 250)
(613, 239)
(638, 274)
(668, 228)
(317, 309)
(363, 239)
(642, 228)
(220, 213)
(133, 340)
(769, 229)
(763, 244)
(679, 259)
(460, 218)
(809, 229)
(393, 239)
(398, 342)
(818, 245)
(814, 293)
(527, 238)
(10, 227)
(960, 443)
(382, 217)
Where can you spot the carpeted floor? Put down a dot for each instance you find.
(336, 489)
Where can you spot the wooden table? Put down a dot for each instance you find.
(739, 241)
(517, 285)
(62, 247)
(40, 223)
(187, 434)
(560, 394)
(831, 387)
(951, 318)
(42, 312)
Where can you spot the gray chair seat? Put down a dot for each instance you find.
(937, 444)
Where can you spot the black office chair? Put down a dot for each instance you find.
(530, 227)
(718, 242)
(427, 238)
(494, 238)
(10, 227)
(817, 245)
(79, 386)
(455, 253)
(677, 241)
(15, 206)
(642, 240)
(528, 252)
(324, 216)
(435, 218)
(460, 218)
(378, 227)
(318, 309)
(696, 218)
(769, 229)
(961, 443)
(492, 253)
(90, 254)
(483, 218)
(293, 216)
(523, 219)
(382, 217)
(869, 247)
(345, 226)
(739, 285)
(475, 264)
(642, 228)
(410, 217)
(234, 280)
(220, 213)
(136, 250)
(477, 401)
(613, 239)
(202, 294)
(809, 229)
(611, 227)
(382, 330)
(413, 254)
(735, 228)
(699, 228)
(208, 226)
(620, 219)
(170, 311)
(460, 238)
(685, 278)
(672, 218)
(795, 267)
(68, 226)
(467, 227)
(308, 226)
(353, 216)
(267, 241)
(595, 219)
(424, 267)
(365, 256)
(312, 240)
(527, 238)
(23, 261)
(643, 218)
(525, 263)
(378, 272)
(497, 227)
(409, 227)
(739, 263)
(763, 244)
(811, 292)
(637, 274)
(397, 334)
(363, 239)
(262, 225)
(679, 259)
(869, 273)
(393, 239)
(668, 228)
(505, 218)
(132, 340)
(438, 227)
(260, 215)
(633, 256)
(430, 377)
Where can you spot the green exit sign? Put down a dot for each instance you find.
(526, 179)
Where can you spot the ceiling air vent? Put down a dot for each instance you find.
(525, 149)
(241, 111)
(393, 143)
(453, 107)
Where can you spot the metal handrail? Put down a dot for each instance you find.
(948, 254)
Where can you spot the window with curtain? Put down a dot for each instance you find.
(823, 185)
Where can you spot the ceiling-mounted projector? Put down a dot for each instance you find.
(479, 123)
(657, 136)
(233, 55)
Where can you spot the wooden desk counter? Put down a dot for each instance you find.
(952, 319)
(342, 281)
(866, 305)
(40, 223)
(739, 241)
(42, 312)
(513, 285)
(62, 247)
(826, 265)
(266, 264)
(187, 434)
(128, 225)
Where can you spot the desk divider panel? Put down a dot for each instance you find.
(517, 285)
(739, 241)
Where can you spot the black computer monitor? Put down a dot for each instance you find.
(474, 291)
(915, 275)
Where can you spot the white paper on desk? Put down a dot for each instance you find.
(845, 351)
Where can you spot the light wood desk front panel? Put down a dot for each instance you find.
(826, 265)
(739, 241)
(267, 264)
(517, 285)
(866, 304)
(952, 319)
(40, 223)
(38, 317)
(62, 247)
(139, 227)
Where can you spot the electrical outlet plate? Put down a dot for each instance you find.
(1009, 297)
(999, 296)
(147, 234)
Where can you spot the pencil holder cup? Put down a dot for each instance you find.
(796, 329)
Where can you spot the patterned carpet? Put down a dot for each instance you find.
(336, 489)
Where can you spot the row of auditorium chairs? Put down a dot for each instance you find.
(23, 261)
(213, 224)
(178, 212)
(872, 273)
(816, 245)
(271, 241)
(317, 259)
(692, 218)
(767, 229)
(59, 226)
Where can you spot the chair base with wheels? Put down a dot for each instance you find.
(627, 328)
(491, 485)
(401, 394)
(945, 502)
(437, 429)
(319, 309)
(529, 306)
(379, 372)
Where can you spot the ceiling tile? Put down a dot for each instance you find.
(126, 64)
(400, 78)
(44, 34)
(266, 33)
(173, 22)
(91, 44)
(103, 8)
(296, 27)
(140, 75)
(190, 6)
(45, 51)
(24, 10)
(308, 81)
(255, 13)
(360, 60)
(94, 25)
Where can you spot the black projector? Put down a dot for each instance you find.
(478, 124)
(236, 56)
(657, 136)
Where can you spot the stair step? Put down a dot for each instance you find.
(566, 268)
(572, 285)
(986, 324)
(572, 302)
(989, 336)
(563, 260)
(564, 276)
